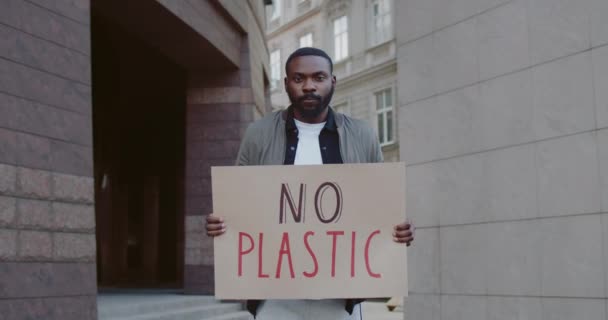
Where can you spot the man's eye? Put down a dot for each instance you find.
(297, 79)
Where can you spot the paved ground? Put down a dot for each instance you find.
(372, 309)
(376, 310)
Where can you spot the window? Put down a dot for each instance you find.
(340, 38)
(384, 111)
(276, 9)
(306, 40)
(275, 68)
(381, 21)
(303, 6)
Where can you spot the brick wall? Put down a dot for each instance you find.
(219, 108)
(47, 222)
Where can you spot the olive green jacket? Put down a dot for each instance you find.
(264, 142)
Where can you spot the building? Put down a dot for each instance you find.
(503, 114)
(360, 38)
(111, 114)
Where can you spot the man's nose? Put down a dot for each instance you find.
(309, 86)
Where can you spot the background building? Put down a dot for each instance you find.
(360, 38)
(111, 114)
(503, 112)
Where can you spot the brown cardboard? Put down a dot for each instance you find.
(249, 200)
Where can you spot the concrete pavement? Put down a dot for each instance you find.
(171, 306)
(376, 310)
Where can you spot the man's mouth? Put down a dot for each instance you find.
(309, 97)
(310, 103)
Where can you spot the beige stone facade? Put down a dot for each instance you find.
(504, 132)
(366, 73)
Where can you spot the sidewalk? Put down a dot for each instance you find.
(376, 310)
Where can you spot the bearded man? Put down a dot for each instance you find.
(309, 132)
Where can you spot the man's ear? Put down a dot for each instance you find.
(285, 83)
(333, 80)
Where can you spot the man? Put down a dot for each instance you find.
(308, 132)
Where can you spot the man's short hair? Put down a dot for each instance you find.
(309, 51)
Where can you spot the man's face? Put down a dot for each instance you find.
(309, 85)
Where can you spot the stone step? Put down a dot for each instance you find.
(241, 315)
(190, 313)
(127, 305)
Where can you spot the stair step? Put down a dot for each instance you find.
(189, 313)
(125, 305)
(241, 315)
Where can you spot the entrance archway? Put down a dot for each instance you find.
(172, 90)
(138, 113)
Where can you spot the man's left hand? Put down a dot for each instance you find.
(404, 233)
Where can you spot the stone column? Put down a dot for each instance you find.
(220, 106)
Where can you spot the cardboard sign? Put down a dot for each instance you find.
(309, 232)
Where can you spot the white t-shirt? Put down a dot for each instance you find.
(308, 151)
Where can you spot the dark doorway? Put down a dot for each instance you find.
(139, 101)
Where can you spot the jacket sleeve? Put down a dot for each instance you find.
(246, 153)
(375, 149)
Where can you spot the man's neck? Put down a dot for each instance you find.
(322, 117)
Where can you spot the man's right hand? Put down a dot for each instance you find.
(215, 226)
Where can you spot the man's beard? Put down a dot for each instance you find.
(307, 113)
